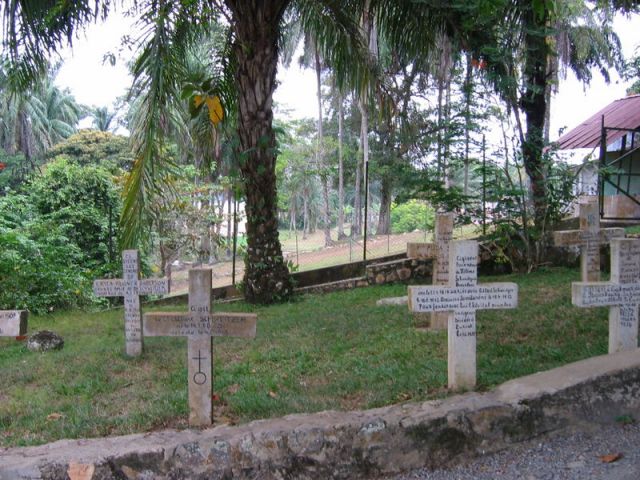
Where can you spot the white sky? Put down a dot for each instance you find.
(96, 84)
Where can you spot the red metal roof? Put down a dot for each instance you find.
(622, 113)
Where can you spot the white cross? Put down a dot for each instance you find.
(439, 251)
(461, 298)
(621, 294)
(199, 325)
(131, 287)
(589, 238)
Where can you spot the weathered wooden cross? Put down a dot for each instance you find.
(589, 238)
(461, 298)
(199, 325)
(439, 251)
(621, 294)
(131, 287)
(13, 323)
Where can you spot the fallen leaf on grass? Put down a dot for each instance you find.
(233, 389)
(272, 394)
(610, 458)
(54, 416)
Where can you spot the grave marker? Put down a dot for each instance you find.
(199, 325)
(131, 287)
(439, 251)
(13, 323)
(461, 298)
(589, 238)
(621, 294)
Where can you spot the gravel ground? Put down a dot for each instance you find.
(570, 454)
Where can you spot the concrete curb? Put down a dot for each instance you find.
(360, 444)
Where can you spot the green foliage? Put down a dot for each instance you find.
(93, 147)
(40, 270)
(56, 235)
(410, 216)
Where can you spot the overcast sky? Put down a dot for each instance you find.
(93, 83)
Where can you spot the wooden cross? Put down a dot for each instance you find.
(199, 325)
(621, 294)
(589, 238)
(461, 298)
(131, 287)
(439, 251)
(13, 323)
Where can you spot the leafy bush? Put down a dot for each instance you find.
(410, 216)
(40, 272)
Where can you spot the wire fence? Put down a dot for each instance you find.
(308, 252)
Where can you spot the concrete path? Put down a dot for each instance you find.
(570, 454)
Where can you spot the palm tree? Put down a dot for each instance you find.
(103, 118)
(33, 31)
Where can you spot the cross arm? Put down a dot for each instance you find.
(13, 323)
(604, 294)
(421, 250)
(436, 298)
(234, 325)
(108, 288)
(172, 325)
(154, 286)
(567, 238)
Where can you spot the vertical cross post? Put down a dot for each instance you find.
(589, 238)
(621, 294)
(460, 299)
(439, 252)
(199, 325)
(131, 287)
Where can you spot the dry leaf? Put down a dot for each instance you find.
(233, 389)
(54, 416)
(612, 457)
(273, 394)
(79, 471)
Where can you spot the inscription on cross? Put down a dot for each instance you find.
(621, 294)
(199, 325)
(13, 323)
(439, 252)
(131, 287)
(589, 238)
(460, 299)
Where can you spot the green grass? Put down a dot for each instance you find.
(333, 351)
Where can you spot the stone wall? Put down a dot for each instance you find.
(352, 445)
(404, 270)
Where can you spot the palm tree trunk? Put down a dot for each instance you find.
(257, 28)
(534, 105)
(468, 92)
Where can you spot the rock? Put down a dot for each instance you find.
(44, 341)
(395, 301)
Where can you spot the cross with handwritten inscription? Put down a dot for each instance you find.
(131, 287)
(461, 298)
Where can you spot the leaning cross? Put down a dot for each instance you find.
(439, 251)
(131, 287)
(621, 294)
(13, 323)
(461, 298)
(589, 238)
(199, 325)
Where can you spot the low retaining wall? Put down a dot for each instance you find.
(346, 445)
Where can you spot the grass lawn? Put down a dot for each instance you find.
(333, 351)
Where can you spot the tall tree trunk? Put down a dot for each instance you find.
(257, 29)
(385, 204)
(341, 234)
(468, 92)
(439, 138)
(534, 106)
(447, 134)
(326, 219)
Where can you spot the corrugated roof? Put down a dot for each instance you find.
(622, 113)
